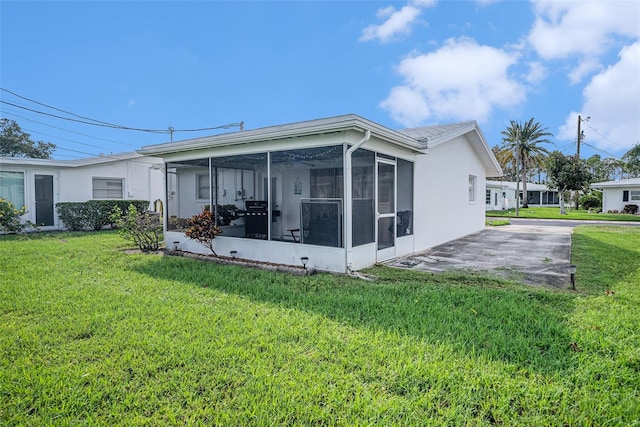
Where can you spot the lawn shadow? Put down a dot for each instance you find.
(475, 315)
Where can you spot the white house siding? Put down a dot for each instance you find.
(612, 198)
(73, 180)
(442, 209)
(497, 201)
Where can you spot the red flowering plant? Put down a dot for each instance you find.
(203, 228)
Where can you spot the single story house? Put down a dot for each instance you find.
(501, 195)
(39, 184)
(342, 193)
(617, 194)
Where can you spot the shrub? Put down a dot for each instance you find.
(72, 214)
(630, 209)
(591, 200)
(94, 214)
(203, 228)
(10, 217)
(143, 228)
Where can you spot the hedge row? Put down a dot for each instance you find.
(94, 214)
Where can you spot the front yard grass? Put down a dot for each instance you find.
(554, 213)
(92, 335)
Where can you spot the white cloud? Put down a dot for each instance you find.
(131, 102)
(537, 73)
(584, 68)
(583, 29)
(462, 80)
(398, 22)
(568, 28)
(612, 99)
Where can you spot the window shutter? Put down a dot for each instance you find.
(625, 195)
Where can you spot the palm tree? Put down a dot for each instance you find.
(520, 148)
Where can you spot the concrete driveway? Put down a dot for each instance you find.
(536, 254)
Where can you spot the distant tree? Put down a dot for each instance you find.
(566, 173)
(608, 169)
(14, 142)
(631, 161)
(520, 144)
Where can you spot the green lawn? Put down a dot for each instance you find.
(91, 335)
(554, 213)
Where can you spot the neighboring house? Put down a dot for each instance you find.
(39, 184)
(617, 194)
(501, 195)
(344, 192)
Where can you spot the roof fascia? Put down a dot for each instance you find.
(23, 161)
(294, 130)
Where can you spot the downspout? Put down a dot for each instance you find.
(348, 205)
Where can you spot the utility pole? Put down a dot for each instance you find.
(171, 132)
(580, 138)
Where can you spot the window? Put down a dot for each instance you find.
(495, 199)
(12, 188)
(108, 188)
(487, 197)
(625, 195)
(472, 188)
(202, 186)
(635, 195)
(404, 219)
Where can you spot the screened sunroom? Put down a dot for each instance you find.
(340, 193)
(295, 196)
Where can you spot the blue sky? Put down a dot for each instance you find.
(204, 64)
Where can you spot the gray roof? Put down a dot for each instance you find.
(103, 158)
(432, 135)
(512, 185)
(631, 182)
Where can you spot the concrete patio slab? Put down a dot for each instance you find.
(531, 254)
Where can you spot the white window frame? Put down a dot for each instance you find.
(12, 189)
(473, 183)
(107, 187)
(200, 187)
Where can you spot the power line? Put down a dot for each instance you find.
(83, 121)
(601, 150)
(65, 139)
(65, 130)
(95, 122)
(608, 139)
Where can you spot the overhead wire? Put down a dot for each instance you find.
(66, 130)
(95, 122)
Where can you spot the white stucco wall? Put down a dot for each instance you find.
(443, 211)
(143, 180)
(612, 198)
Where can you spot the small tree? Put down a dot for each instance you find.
(203, 228)
(566, 174)
(144, 228)
(14, 142)
(10, 217)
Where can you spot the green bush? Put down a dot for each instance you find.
(591, 200)
(72, 214)
(144, 228)
(94, 214)
(10, 217)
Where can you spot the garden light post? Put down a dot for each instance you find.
(571, 269)
(304, 260)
